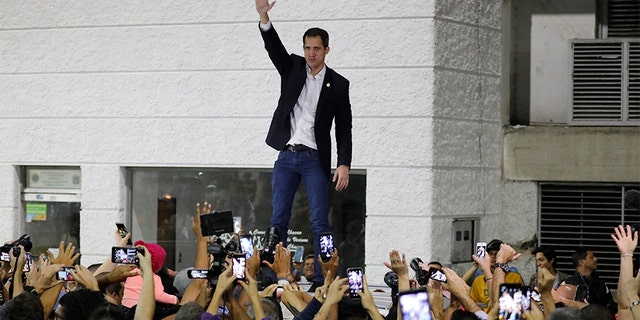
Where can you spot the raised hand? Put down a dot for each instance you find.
(263, 6)
(398, 263)
(281, 261)
(625, 239)
(66, 255)
(195, 221)
(84, 277)
(331, 265)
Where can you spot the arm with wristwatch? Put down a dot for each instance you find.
(505, 255)
(628, 299)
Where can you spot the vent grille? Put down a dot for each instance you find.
(606, 82)
(623, 19)
(573, 216)
(634, 81)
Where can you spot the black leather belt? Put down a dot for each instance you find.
(297, 147)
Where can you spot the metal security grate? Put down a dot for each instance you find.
(634, 81)
(605, 82)
(623, 19)
(573, 216)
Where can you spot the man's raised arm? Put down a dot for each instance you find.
(263, 7)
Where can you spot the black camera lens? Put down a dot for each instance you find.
(415, 263)
(391, 280)
(271, 239)
(421, 276)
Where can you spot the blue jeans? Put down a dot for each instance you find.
(287, 172)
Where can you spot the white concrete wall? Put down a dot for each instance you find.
(107, 84)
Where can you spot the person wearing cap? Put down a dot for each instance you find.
(133, 285)
(480, 290)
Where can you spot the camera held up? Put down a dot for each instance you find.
(421, 276)
(24, 241)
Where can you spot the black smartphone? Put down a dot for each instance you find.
(326, 246)
(481, 249)
(246, 244)
(354, 275)
(510, 301)
(197, 273)
(239, 266)
(217, 223)
(299, 255)
(122, 231)
(437, 274)
(125, 255)
(64, 274)
(414, 304)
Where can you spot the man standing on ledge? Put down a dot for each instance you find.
(311, 96)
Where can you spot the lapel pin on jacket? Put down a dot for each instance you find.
(328, 84)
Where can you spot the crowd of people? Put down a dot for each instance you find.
(147, 290)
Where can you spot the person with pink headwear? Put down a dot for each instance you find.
(133, 285)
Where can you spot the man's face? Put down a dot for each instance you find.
(542, 262)
(590, 262)
(314, 52)
(492, 255)
(308, 268)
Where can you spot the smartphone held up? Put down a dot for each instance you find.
(125, 255)
(354, 276)
(326, 246)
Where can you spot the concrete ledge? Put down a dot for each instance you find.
(594, 154)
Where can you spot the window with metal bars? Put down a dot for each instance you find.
(579, 215)
(605, 82)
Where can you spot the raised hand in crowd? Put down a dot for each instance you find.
(85, 278)
(108, 265)
(629, 290)
(253, 263)
(333, 294)
(195, 220)
(545, 287)
(398, 264)
(436, 299)
(484, 263)
(626, 241)
(17, 264)
(281, 263)
(226, 281)
(147, 303)
(460, 289)
(251, 288)
(331, 265)
(67, 255)
(366, 298)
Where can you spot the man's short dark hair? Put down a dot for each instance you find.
(80, 304)
(309, 256)
(463, 315)
(579, 254)
(316, 32)
(494, 245)
(435, 263)
(565, 314)
(547, 252)
(190, 311)
(596, 311)
(15, 308)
